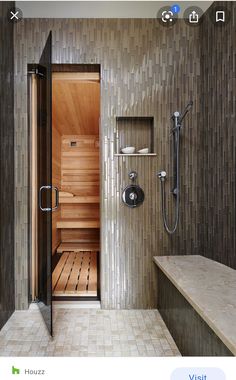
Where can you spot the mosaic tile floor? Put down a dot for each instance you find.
(88, 332)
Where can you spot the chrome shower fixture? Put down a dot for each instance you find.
(177, 119)
(162, 175)
(186, 110)
(133, 175)
(133, 195)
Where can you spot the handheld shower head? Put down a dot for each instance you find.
(186, 110)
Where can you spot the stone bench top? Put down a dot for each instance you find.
(210, 288)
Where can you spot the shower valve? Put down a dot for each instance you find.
(162, 175)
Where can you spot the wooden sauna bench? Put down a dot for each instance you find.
(66, 197)
(76, 274)
(78, 223)
(78, 247)
(70, 198)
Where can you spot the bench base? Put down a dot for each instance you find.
(190, 332)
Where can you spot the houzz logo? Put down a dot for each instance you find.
(15, 371)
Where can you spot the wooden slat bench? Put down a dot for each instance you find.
(76, 274)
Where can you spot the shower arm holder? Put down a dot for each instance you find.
(133, 175)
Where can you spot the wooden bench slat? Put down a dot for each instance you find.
(59, 268)
(92, 285)
(74, 276)
(82, 286)
(61, 285)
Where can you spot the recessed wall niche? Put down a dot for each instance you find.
(135, 131)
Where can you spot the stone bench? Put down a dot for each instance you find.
(197, 300)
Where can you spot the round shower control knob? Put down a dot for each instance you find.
(133, 196)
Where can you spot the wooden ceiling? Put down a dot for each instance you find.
(76, 103)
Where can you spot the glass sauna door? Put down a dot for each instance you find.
(44, 147)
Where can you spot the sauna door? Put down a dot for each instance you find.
(44, 147)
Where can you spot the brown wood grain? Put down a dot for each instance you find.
(78, 199)
(76, 106)
(83, 235)
(83, 279)
(76, 111)
(59, 268)
(75, 76)
(78, 223)
(80, 178)
(76, 274)
(62, 282)
(78, 247)
(92, 284)
(80, 211)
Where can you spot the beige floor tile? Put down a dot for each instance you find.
(88, 332)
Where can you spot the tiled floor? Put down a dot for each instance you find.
(88, 332)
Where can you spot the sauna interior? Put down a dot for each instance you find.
(75, 173)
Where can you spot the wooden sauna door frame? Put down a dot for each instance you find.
(32, 209)
(82, 68)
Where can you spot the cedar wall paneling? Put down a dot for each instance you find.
(80, 176)
(7, 291)
(146, 70)
(218, 69)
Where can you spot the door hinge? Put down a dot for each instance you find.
(36, 71)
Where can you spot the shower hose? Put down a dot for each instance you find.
(172, 229)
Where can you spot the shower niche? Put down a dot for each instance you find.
(137, 132)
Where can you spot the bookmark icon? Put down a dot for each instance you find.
(220, 16)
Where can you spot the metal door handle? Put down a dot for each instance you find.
(57, 198)
(47, 187)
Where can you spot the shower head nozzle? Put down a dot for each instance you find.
(186, 110)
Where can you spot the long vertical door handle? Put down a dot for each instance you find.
(57, 198)
(47, 187)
